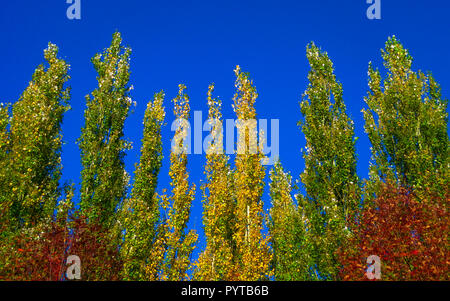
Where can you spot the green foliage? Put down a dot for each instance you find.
(330, 180)
(140, 213)
(103, 178)
(31, 150)
(326, 235)
(286, 230)
(406, 122)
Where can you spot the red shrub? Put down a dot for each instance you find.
(40, 253)
(409, 235)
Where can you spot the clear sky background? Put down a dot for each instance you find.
(200, 42)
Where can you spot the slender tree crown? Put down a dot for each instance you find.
(216, 261)
(32, 148)
(179, 242)
(406, 121)
(103, 178)
(253, 252)
(140, 213)
(330, 180)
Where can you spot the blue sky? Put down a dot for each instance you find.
(199, 42)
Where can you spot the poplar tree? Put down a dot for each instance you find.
(179, 242)
(406, 121)
(103, 178)
(252, 247)
(330, 180)
(33, 150)
(216, 261)
(141, 212)
(286, 230)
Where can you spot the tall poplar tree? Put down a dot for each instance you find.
(406, 121)
(103, 178)
(286, 230)
(216, 261)
(34, 146)
(141, 213)
(253, 252)
(330, 180)
(179, 242)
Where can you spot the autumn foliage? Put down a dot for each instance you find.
(322, 226)
(410, 235)
(40, 253)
